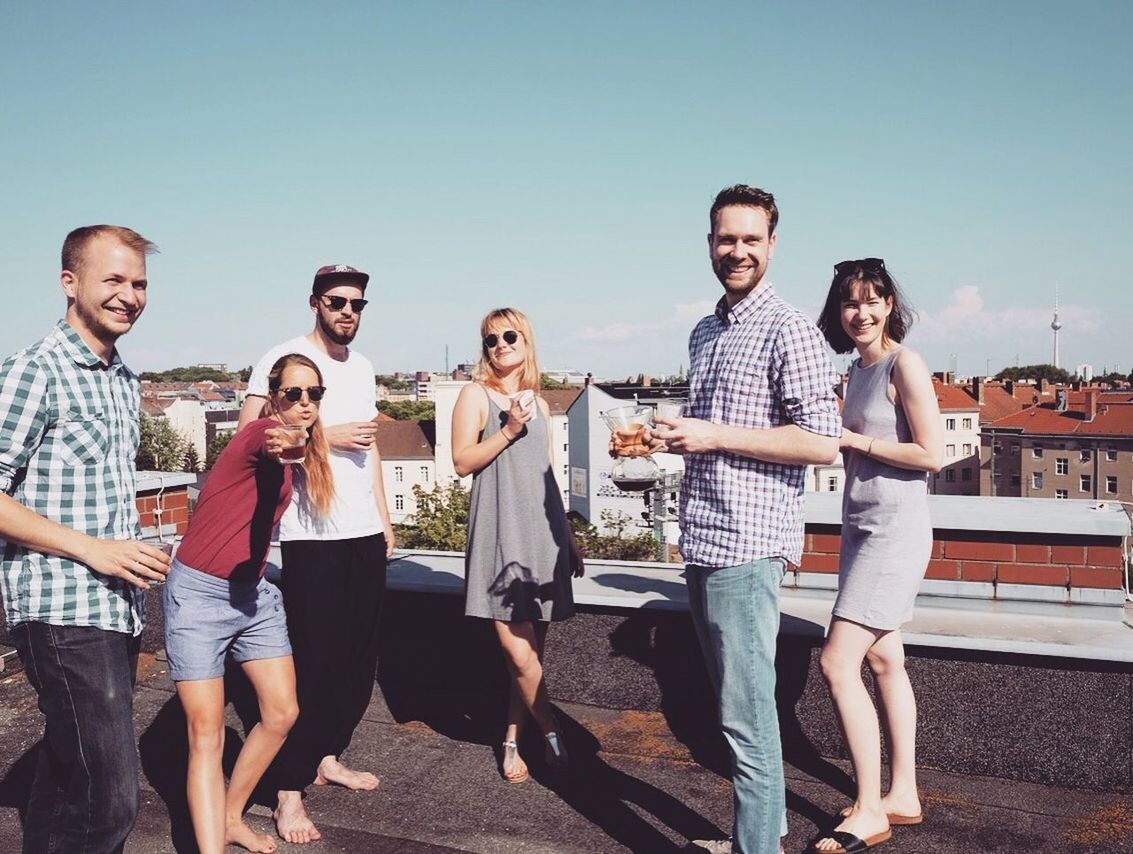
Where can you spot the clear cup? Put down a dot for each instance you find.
(295, 443)
(673, 407)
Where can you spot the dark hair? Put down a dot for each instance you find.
(74, 246)
(741, 195)
(849, 276)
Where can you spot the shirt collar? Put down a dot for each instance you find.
(746, 307)
(79, 352)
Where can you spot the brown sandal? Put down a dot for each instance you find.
(511, 755)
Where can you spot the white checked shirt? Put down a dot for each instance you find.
(68, 438)
(760, 364)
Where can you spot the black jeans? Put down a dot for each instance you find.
(85, 794)
(332, 593)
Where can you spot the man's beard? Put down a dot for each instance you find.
(336, 336)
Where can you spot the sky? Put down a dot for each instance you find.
(562, 158)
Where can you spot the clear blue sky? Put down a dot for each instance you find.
(562, 158)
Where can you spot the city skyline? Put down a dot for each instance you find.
(563, 160)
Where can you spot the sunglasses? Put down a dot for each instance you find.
(510, 336)
(866, 265)
(339, 303)
(294, 393)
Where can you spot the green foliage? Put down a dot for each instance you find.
(441, 520)
(391, 382)
(550, 384)
(189, 375)
(219, 443)
(244, 374)
(409, 410)
(622, 544)
(161, 447)
(192, 461)
(1035, 373)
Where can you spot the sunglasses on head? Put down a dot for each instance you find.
(866, 265)
(339, 303)
(510, 336)
(294, 393)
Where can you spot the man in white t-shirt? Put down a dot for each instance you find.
(334, 567)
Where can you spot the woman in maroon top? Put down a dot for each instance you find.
(218, 603)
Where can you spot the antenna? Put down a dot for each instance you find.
(1056, 325)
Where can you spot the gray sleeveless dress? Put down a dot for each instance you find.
(886, 531)
(517, 562)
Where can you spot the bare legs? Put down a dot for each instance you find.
(846, 647)
(218, 819)
(523, 643)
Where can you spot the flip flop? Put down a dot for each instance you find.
(893, 818)
(510, 747)
(849, 843)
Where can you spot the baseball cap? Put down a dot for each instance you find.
(333, 274)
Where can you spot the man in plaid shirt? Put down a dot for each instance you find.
(73, 574)
(761, 407)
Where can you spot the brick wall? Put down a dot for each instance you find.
(175, 504)
(1060, 560)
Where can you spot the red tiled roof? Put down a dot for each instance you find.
(1113, 419)
(404, 440)
(952, 398)
(560, 399)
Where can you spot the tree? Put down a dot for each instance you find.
(549, 383)
(160, 447)
(219, 443)
(244, 374)
(441, 520)
(619, 545)
(192, 461)
(1035, 373)
(187, 375)
(409, 410)
(391, 382)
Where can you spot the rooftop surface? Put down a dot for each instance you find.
(633, 787)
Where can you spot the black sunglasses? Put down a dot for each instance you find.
(510, 336)
(867, 265)
(314, 392)
(339, 303)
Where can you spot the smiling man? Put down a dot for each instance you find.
(761, 407)
(334, 566)
(74, 575)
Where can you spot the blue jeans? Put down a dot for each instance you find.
(735, 610)
(84, 797)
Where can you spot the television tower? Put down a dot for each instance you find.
(1056, 325)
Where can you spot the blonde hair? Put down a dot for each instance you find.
(509, 318)
(316, 467)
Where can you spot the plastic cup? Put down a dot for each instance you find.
(295, 443)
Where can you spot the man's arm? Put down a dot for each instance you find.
(251, 410)
(788, 444)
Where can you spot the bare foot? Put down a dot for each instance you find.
(238, 833)
(861, 824)
(291, 820)
(333, 771)
(902, 804)
(513, 767)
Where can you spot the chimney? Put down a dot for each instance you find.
(1091, 403)
(1044, 385)
(646, 381)
(1009, 385)
(978, 389)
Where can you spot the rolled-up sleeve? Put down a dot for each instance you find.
(807, 378)
(23, 417)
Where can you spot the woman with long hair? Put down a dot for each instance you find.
(217, 601)
(521, 553)
(890, 441)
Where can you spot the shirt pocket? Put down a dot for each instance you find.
(83, 438)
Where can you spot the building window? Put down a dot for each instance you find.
(950, 475)
(1111, 484)
(1084, 456)
(398, 474)
(967, 449)
(831, 484)
(1037, 480)
(1111, 455)
(566, 471)
(1014, 478)
(1015, 449)
(949, 423)
(424, 474)
(1061, 493)
(965, 474)
(1061, 465)
(949, 450)
(1085, 483)
(1036, 453)
(399, 502)
(996, 447)
(566, 447)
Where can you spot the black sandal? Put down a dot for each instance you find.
(850, 844)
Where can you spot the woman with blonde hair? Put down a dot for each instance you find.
(521, 553)
(217, 600)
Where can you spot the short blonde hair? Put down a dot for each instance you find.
(508, 318)
(74, 247)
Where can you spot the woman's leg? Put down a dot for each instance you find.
(886, 659)
(274, 682)
(842, 656)
(203, 701)
(522, 643)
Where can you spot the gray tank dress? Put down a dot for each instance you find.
(886, 530)
(518, 559)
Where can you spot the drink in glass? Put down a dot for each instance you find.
(294, 443)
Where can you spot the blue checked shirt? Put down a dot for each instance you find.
(760, 364)
(68, 438)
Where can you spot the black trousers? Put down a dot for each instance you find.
(332, 593)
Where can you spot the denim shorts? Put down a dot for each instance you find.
(207, 617)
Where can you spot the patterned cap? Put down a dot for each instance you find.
(332, 274)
